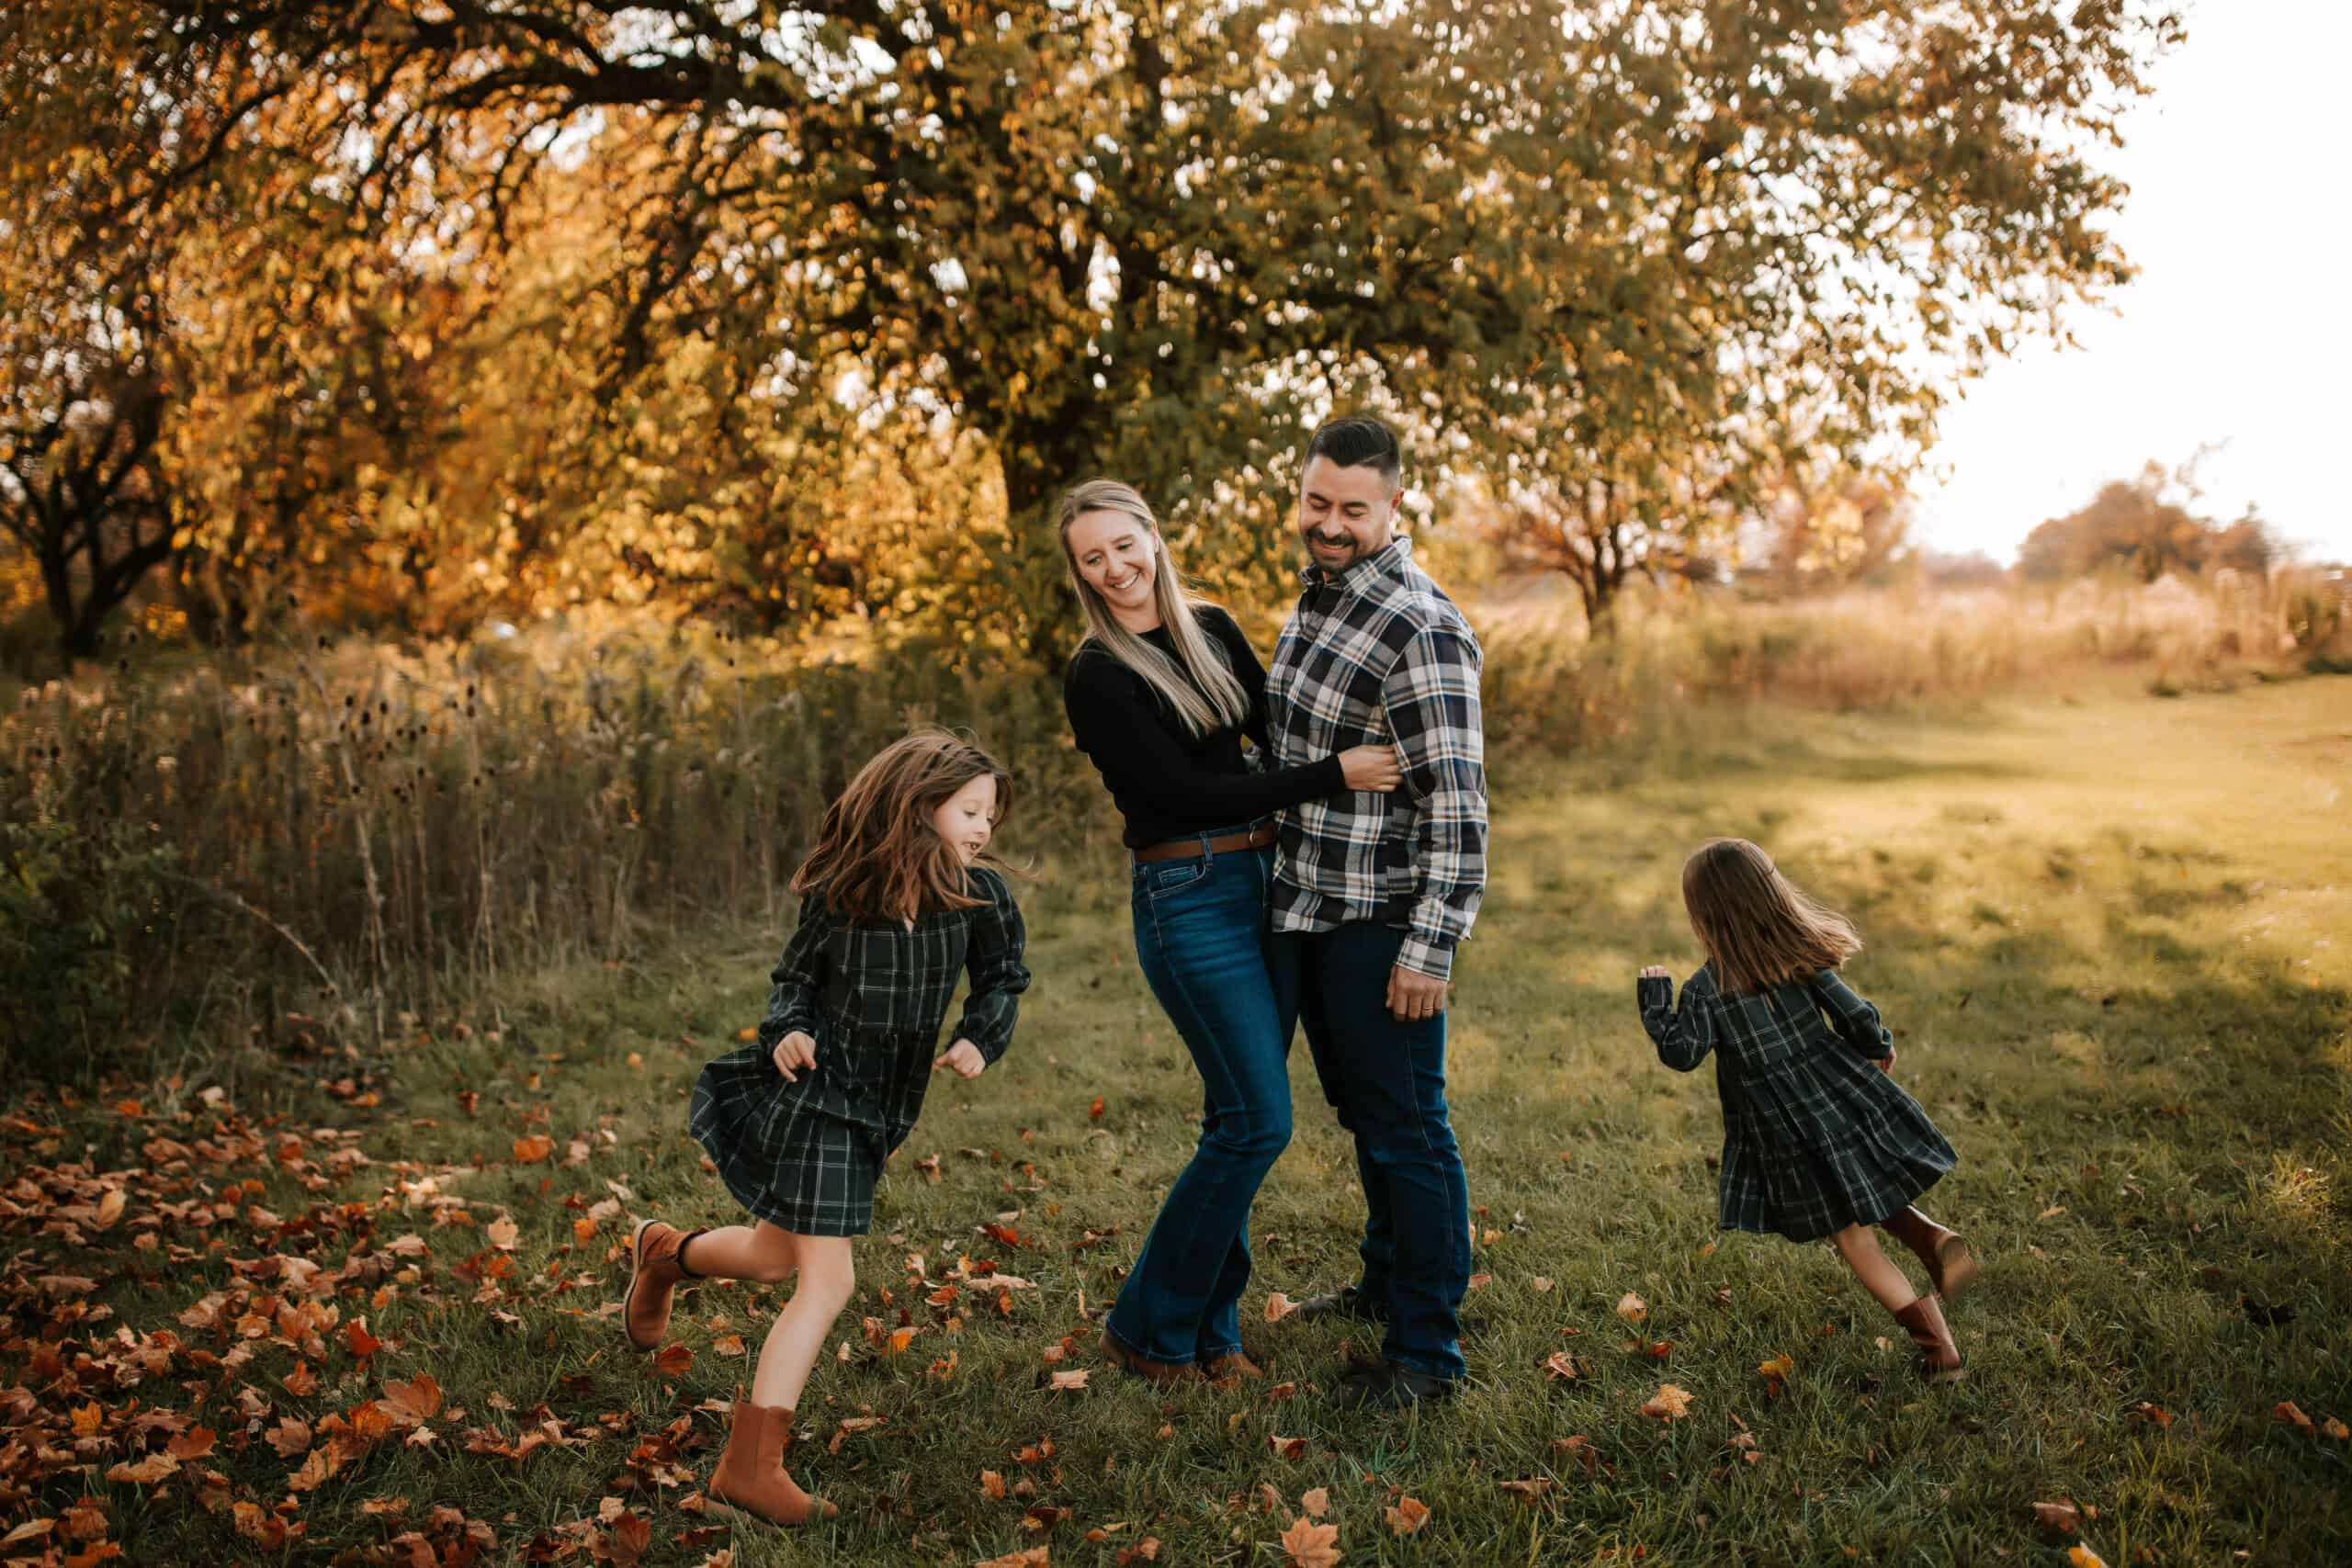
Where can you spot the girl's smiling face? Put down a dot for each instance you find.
(966, 817)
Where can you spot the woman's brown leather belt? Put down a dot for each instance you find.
(1193, 849)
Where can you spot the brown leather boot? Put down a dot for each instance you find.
(1951, 1266)
(1229, 1368)
(656, 1265)
(751, 1477)
(1939, 1355)
(1157, 1373)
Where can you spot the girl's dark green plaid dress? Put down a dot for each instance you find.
(1816, 1136)
(872, 994)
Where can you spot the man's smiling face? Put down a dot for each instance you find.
(1344, 515)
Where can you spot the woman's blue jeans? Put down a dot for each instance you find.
(1201, 942)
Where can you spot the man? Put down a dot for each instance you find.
(1372, 892)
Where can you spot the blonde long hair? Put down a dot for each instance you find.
(878, 856)
(1759, 929)
(1213, 698)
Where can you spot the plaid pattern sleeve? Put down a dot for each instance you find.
(1683, 1035)
(993, 960)
(1431, 698)
(1851, 1018)
(798, 976)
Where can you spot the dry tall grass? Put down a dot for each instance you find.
(357, 829)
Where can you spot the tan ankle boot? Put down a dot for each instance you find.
(657, 1264)
(1951, 1266)
(751, 1477)
(1939, 1355)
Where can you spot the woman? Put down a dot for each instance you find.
(1160, 695)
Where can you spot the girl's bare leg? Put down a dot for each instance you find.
(1859, 1245)
(763, 1252)
(828, 1275)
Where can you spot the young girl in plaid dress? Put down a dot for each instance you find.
(899, 900)
(1818, 1141)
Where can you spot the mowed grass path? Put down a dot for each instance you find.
(2114, 938)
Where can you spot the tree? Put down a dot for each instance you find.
(1641, 256)
(2146, 526)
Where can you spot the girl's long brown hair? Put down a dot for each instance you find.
(876, 855)
(1757, 928)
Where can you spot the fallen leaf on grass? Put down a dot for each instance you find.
(2336, 1429)
(2084, 1557)
(1069, 1382)
(1581, 1446)
(32, 1529)
(1480, 1282)
(1145, 1550)
(417, 1399)
(363, 1344)
(1316, 1503)
(503, 1234)
(2289, 1412)
(1312, 1545)
(992, 1485)
(1035, 1557)
(1632, 1308)
(1410, 1515)
(532, 1149)
(1287, 1447)
(1539, 1284)
(147, 1472)
(1528, 1491)
(1562, 1365)
(2060, 1516)
(673, 1360)
(2155, 1414)
(323, 1463)
(194, 1443)
(729, 1345)
(110, 1208)
(1279, 1306)
(1094, 1112)
(1668, 1402)
(1783, 1366)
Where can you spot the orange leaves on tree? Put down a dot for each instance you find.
(1311, 1545)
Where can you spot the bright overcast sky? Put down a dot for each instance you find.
(2238, 329)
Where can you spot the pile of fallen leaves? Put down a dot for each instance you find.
(241, 1403)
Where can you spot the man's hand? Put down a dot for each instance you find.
(1413, 996)
(795, 1050)
(964, 1059)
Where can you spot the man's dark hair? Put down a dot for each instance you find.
(1359, 441)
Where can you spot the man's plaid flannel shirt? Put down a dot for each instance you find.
(1379, 652)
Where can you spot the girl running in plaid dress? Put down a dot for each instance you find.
(898, 904)
(1818, 1141)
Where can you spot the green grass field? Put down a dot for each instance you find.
(2113, 935)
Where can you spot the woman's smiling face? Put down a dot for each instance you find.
(1116, 556)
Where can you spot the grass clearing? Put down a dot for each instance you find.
(2114, 937)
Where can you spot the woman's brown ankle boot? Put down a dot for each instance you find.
(1951, 1266)
(1939, 1355)
(751, 1477)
